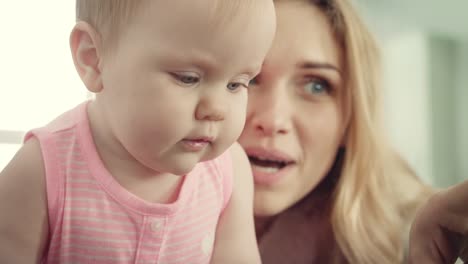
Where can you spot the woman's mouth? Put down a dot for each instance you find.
(269, 166)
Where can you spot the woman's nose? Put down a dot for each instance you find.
(269, 113)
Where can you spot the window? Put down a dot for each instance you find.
(38, 80)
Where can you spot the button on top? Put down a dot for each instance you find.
(156, 225)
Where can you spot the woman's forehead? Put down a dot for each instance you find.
(304, 36)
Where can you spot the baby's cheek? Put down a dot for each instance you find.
(236, 129)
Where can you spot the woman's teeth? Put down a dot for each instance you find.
(266, 169)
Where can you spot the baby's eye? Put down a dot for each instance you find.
(186, 78)
(234, 86)
(317, 86)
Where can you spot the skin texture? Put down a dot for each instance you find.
(177, 72)
(295, 115)
(294, 107)
(326, 177)
(166, 83)
(439, 232)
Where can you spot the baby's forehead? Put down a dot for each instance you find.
(216, 11)
(237, 31)
(202, 17)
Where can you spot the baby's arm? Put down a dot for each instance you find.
(23, 207)
(438, 230)
(235, 236)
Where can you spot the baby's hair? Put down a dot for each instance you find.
(107, 17)
(222, 11)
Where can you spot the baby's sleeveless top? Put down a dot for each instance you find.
(93, 219)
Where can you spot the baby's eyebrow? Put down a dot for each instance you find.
(204, 61)
(254, 71)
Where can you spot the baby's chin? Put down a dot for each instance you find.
(177, 170)
(213, 153)
(182, 170)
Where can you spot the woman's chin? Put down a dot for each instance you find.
(266, 205)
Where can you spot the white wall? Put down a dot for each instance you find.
(37, 78)
(406, 93)
(426, 95)
(442, 65)
(426, 83)
(462, 110)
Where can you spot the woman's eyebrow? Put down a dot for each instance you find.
(319, 65)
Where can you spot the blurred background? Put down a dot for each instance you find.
(424, 46)
(425, 53)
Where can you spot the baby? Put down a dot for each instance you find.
(148, 171)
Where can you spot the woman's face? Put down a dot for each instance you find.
(294, 121)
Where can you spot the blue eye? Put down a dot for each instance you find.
(235, 86)
(317, 86)
(186, 79)
(189, 79)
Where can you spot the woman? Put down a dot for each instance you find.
(328, 188)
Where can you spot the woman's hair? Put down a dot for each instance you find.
(376, 193)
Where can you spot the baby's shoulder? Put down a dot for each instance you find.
(27, 164)
(22, 198)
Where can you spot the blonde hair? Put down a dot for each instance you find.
(107, 17)
(376, 193)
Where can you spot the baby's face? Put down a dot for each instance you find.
(175, 87)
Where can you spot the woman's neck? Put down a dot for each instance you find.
(314, 207)
(262, 225)
(300, 234)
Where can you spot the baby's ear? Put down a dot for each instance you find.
(85, 47)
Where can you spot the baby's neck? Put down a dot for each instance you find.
(161, 188)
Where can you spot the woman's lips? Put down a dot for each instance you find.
(269, 166)
(268, 175)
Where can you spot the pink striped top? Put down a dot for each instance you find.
(93, 219)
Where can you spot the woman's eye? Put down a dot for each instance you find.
(317, 86)
(186, 79)
(235, 86)
(254, 81)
